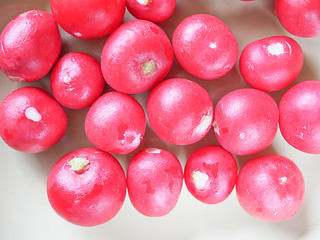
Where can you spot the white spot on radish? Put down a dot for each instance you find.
(136, 141)
(148, 68)
(199, 179)
(153, 150)
(283, 180)
(213, 45)
(77, 34)
(204, 124)
(78, 164)
(143, 2)
(32, 114)
(242, 136)
(275, 49)
(132, 138)
(67, 79)
(215, 127)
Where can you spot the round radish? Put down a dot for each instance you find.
(29, 46)
(270, 188)
(136, 57)
(272, 63)
(205, 46)
(76, 80)
(31, 120)
(155, 179)
(299, 17)
(180, 111)
(299, 120)
(151, 10)
(87, 187)
(116, 123)
(88, 18)
(246, 121)
(210, 174)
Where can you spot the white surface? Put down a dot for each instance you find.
(25, 212)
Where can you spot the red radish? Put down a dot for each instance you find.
(180, 111)
(76, 80)
(270, 188)
(300, 116)
(246, 121)
(204, 46)
(300, 18)
(31, 120)
(136, 56)
(29, 46)
(210, 174)
(272, 63)
(154, 179)
(151, 10)
(88, 18)
(87, 187)
(116, 123)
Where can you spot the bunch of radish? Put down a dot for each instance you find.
(88, 186)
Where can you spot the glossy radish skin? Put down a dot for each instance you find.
(204, 46)
(151, 10)
(271, 64)
(88, 19)
(136, 57)
(210, 174)
(270, 188)
(300, 18)
(180, 111)
(87, 187)
(31, 120)
(300, 116)
(115, 123)
(29, 46)
(76, 80)
(154, 179)
(246, 121)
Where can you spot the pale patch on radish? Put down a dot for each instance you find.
(32, 114)
(242, 136)
(213, 45)
(67, 79)
(203, 125)
(215, 127)
(77, 34)
(131, 138)
(136, 141)
(275, 49)
(143, 2)
(199, 179)
(148, 68)
(283, 180)
(78, 164)
(153, 150)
